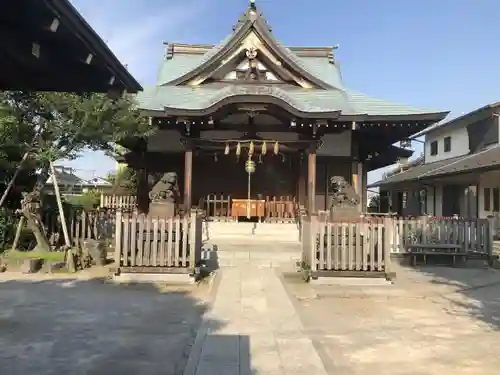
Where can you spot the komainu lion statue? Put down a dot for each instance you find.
(345, 201)
(166, 189)
(164, 196)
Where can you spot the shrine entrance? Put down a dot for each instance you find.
(247, 180)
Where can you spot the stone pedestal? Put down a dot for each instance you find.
(162, 209)
(345, 212)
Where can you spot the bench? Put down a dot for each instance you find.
(451, 250)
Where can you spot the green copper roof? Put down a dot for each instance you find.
(346, 100)
(349, 102)
(329, 96)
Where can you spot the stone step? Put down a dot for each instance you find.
(230, 254)
(251, 228)
(245, 238)
(251, 225)
(255, 232)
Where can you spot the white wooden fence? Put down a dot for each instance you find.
(125, 202)
(365, 244)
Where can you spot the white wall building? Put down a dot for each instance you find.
(459, 173)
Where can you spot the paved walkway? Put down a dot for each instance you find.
(253, 328)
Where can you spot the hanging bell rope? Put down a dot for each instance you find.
(276, 148)
(226, 150)
(264, 148)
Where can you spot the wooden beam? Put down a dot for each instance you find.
(311, 181)
(188, 177)
(56, 67)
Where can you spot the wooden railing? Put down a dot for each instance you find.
(281, 209)
(216, 207)
(365, 244)
(82, 225)
(474, 236)
(125, 202)
(360, 246)
(150, 244)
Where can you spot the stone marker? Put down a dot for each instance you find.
(96, 250)
(31, 265)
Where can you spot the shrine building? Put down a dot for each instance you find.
(250, 120)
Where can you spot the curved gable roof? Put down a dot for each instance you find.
(252, 20)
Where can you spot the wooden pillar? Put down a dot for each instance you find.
(311, 181)
(302, 185)
(356, 166)
(357, 182)
(142, 190)
(188, 177)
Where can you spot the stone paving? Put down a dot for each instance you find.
(260, 331)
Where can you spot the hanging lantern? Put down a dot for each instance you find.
(249, 166)
(276, 148)
(238, 149)
(226, 150)
(264, 148)
(250, 149)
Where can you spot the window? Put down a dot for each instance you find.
(447, 144)
(487, 199)
(496, 199)
(434, 148)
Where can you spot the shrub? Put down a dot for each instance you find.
(88, 201)
(8, 224)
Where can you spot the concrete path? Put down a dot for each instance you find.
(252, 328)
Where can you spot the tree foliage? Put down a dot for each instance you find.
(61, 126)
(124, 181)
(15, 138)
(88, 201)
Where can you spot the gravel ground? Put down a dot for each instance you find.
(91, 327)
(435, 320)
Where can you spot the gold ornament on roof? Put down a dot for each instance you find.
(226, 150)
(238, 149)
(250, 148)
(264, 148)
(251, 53)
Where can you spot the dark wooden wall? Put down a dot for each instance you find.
(227, 176)
(273, 177)
(328, 166)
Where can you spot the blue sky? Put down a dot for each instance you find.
(437, 54)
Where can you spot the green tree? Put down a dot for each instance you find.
(124, 181)
(15, 140)
(63, 125)
(89, 200)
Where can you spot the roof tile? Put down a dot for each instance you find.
(489, 158)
